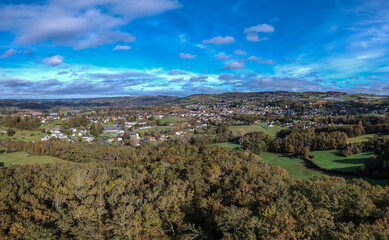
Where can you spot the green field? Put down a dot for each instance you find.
(153, 129)
(172, 119)
(332, 160)
(350, 97)
(271, 131)
(22, 135)
(363, 138)
(241, 130)
(260, 127)
(161, 128)
(22, 158)
(228, 145)
(297, 168)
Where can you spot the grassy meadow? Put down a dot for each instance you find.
(153, 129)
(294, 166)
(227, 145)
(22, 135)
(363, 138)
(260, 127)
(22, 158)
(332, 160)
(172, 119)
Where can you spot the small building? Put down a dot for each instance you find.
(88, 138)
(46, 138)
(113, 129)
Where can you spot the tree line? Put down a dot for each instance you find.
(296, 142)
(25, 123)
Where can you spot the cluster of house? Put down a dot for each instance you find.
(207, 112)
(118, 130)
(75, 134)
(55, 134)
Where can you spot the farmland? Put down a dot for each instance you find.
(22, 135)
(294, 166)
(363, 138)
(260, 127)
(22, 158)
(298, 169)
(153, 129)
(172, 119)
(332, 160)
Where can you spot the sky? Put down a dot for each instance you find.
(56, 49)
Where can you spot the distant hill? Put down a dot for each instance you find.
(87, 102)
(204, 99)
(240, 97)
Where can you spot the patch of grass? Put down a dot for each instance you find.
(110, 123)
(332, 160)
(172, 119)
(363, 138)
(294, 166)
(57, 122)
(88, 113)
(271, 131)
(241, 130)
(22, 158)
(350, 98)
(22, 135)
(298, 169)
(153, 129)
(228, 145)
(260, 127)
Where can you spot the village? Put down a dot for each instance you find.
(136, 126)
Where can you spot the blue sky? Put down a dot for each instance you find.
(92, 48)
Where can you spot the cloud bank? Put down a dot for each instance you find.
(80, 24)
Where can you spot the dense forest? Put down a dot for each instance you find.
(185, 187)
(179, 191)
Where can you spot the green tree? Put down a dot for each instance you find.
(10, 132)
(96, 129)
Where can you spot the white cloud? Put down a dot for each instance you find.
(252, 37)
(263, 39)
(219, 40)
(79, 24)
(370, 55)
(119, 47)
(260, 61)
(53, 60)
(8, 53)
(252, 32)
(265, 28)
(234, 65)
(200, 46)
(222, 56)
(187, 56)
(240, 52)
(28, 51)
(289, 84)
(182, 38)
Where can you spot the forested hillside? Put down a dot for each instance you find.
(180, 191)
